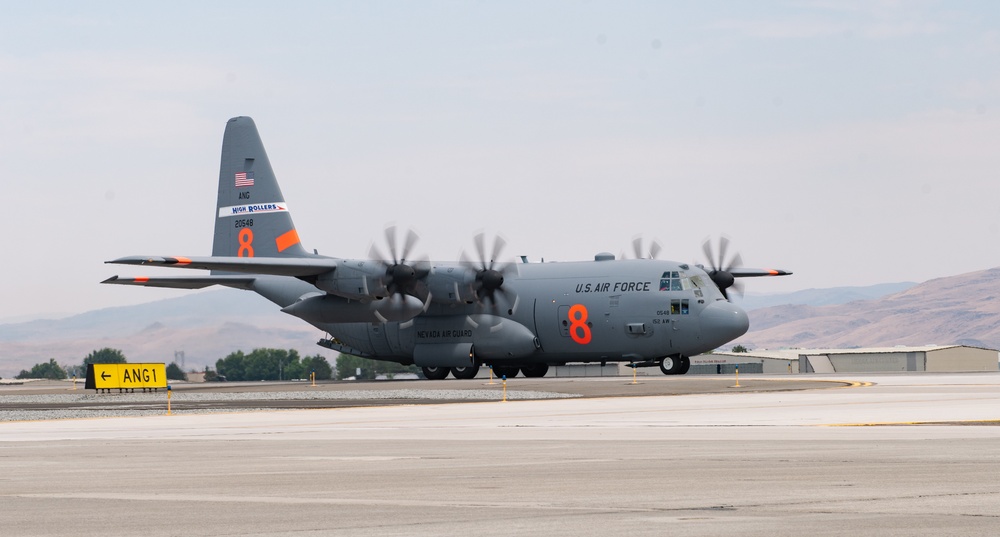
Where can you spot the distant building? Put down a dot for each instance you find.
(195, 376)
(940, 358)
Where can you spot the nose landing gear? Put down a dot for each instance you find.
(675, 365)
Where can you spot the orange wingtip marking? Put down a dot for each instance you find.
(774, 272)
(141, 279)
(287, 240)
(183, 261)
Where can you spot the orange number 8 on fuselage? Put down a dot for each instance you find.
(578, 328)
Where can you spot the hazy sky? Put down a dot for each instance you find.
(850, 142)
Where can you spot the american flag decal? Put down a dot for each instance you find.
(244, 179)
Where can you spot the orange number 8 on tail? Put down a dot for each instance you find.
(246, 243)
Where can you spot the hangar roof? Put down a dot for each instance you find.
(793, 354)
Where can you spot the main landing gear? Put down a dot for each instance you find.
(469, 372)
(435, 373)
(675, 365)
(440, 373)
(508, 371)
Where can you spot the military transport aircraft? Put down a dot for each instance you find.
(455, 317)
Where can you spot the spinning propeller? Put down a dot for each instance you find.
(490, 273)
(721, 271)
(641, 253)
(724, 273)
(403, 277)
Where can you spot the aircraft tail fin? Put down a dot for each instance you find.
(252, 217)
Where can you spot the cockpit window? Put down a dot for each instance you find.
(680, 306)
(678, 281)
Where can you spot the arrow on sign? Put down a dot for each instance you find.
(104, 375)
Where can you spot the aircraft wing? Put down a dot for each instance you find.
(196, 282)
(276, 266)
(743, 272)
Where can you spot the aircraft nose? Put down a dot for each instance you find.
(722, 322)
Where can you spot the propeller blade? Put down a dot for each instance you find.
(736, 262)
(375, 253)
(637, 247)
(723, 246)
(411, 239)
(706, 248)
(390, 239)
(498, 245)
(517, 300)
(654, 249)
(481, 248)
(463, 259)
(739, 289)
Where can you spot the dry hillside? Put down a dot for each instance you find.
(955, 310)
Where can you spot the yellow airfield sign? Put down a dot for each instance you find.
(126, 376)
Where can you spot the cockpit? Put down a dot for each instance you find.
(679, 280)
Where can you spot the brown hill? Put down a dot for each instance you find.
(206, 326)
(955, 310)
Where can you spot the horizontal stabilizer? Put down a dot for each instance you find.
(196, 282)
(276, 266)
(755, 272)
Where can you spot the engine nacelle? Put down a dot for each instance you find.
(335, 309)
(452, 285)
(496, 338)
(357, 280)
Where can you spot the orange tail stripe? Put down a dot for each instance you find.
(287, 240)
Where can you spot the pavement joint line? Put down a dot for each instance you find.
(906, 423)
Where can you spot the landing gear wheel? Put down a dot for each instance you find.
(509, 371)
(671, 365)
(685, 365)
(435, 373)
(469, 372)
(535, 371)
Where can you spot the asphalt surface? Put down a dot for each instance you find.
(887, 455)
(30, 396)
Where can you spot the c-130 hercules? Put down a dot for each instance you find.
(455, 317)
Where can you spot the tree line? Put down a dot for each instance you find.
(272, 364)
(259, 364)
(54, 371)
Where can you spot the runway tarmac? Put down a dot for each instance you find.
(60, 399)
(907, 455)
